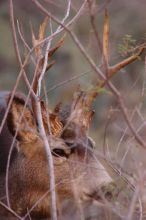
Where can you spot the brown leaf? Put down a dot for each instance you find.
(35, 43)
(58, 45)
(42, 29)
(50, 65)
(41, 35)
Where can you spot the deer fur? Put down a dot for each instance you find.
(6, 137)
(78, 174)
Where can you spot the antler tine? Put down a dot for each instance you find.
(81, 112)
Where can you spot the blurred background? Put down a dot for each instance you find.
(127, 29)
(127, 20)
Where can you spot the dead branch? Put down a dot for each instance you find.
(99, 73)
(106, 38)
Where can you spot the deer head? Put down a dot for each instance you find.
(78, 174)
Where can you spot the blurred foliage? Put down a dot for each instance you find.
(127, 46)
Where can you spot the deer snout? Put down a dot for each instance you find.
(95, 183)
(105, 193)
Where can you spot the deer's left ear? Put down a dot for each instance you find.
(21, 121)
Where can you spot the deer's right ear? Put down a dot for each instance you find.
(21, 122)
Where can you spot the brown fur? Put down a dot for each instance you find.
(77, 173)
(5, 136)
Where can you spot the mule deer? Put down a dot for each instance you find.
(77, 173)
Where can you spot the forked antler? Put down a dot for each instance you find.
(81, 112)
(76, 118)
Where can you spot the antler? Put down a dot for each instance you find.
(77, 117)
(81, 113)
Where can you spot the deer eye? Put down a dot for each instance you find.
(57, 152)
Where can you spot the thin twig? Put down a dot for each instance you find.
(66, 15)
(24, 41)
(15, 41)
(92, 20)
(97, 71)
(133, 203)
(43, 135)
(66, 82)
(10, 210)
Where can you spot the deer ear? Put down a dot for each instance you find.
(21, 122)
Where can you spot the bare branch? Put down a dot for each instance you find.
(10, 210)
(106, 37)
(97, 71)
(92, 20)
(15, 41)
(114, 69)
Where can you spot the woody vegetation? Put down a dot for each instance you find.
(51, 161)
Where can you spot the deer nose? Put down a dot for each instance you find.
(107, 192)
